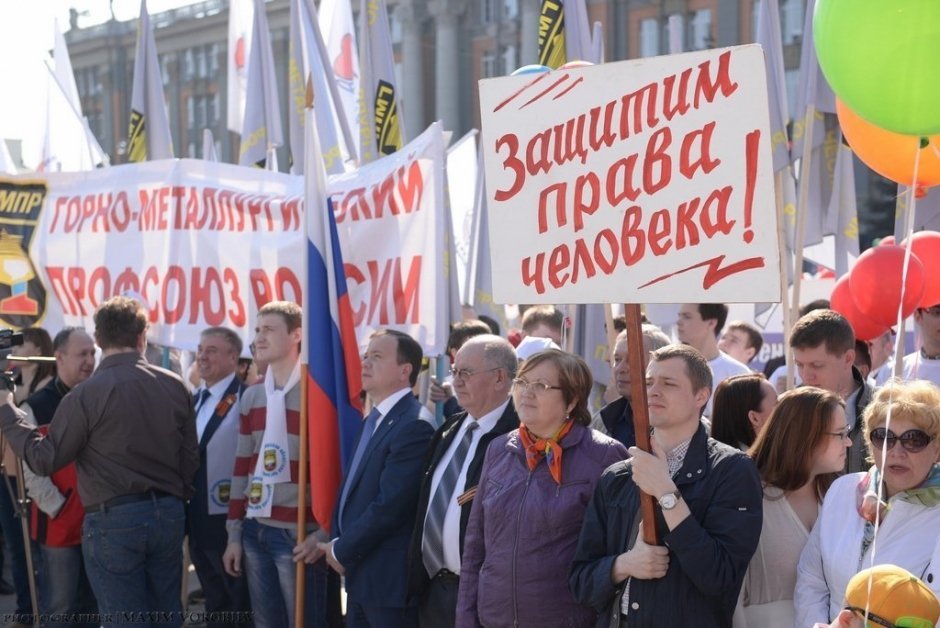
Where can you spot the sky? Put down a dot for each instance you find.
(26, 35)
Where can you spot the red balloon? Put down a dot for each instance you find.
(841, 301)
(926, 246)
(875, 283)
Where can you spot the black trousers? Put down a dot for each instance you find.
(438, 607)
(224, 594)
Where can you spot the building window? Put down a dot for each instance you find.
(165, 69)
(489, 12)
(214, 59)
(674, 33)
(700, 30)
(649, 38)
(188, 65)
(792, 11)
(488, 65)
(510, 9)
(201, 62)
(395, 27)
(215, 105)
(755, 18)
(190, 113)
(509, 61)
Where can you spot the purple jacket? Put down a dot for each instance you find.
(523, 532)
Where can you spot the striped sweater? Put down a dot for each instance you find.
(250, 432)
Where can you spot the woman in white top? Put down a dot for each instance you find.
(798, 455)
(905, 452)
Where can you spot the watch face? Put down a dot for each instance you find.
(668, 501)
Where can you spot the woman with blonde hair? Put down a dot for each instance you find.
(899, 497)
(533, 491)
(798, 454)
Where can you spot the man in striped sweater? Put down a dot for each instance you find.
(262, 516)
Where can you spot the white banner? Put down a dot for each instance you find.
(208, 244)
(644, 181)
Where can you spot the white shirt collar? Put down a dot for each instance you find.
(220, 386)
(488, 421)
(386, 405)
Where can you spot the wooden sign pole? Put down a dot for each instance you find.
(641, 418)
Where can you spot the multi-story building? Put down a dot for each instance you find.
(442, 48)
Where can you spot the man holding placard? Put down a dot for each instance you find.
(709, 514)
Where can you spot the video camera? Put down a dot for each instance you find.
(9, 338)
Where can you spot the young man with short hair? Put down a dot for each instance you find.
(700, 325)
(742, 341)
(262, 511)
(709, 514)
(543, 321)
(823, 346)
(925, 362)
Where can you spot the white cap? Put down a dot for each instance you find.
(531, 345)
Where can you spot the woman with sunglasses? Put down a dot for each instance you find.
(798, 454)
(900, 495)
(533, 491)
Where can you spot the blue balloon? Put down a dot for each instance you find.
(531, 69)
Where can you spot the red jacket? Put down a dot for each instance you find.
(65, 529)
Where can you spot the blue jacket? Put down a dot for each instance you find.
(379, 513)
(708, 552)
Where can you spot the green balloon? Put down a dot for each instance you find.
(881, 58)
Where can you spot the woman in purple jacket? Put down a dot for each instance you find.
(535, 486)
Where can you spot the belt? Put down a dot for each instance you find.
(122, 500)
(446, 575)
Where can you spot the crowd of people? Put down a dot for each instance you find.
(814, 506)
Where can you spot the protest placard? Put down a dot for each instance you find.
(642, 181)
(208, 244)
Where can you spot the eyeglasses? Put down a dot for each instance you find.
(913, 441)
(901, 622)
(539, 388)
(841, 434)
(468, 373)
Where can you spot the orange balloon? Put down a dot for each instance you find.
(891, 154)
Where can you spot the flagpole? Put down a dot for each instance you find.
(784, 279)
(303, 461)
(805, 162)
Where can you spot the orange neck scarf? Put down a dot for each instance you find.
(549, 448)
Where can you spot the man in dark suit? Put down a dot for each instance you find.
(375, 513)
(483, 371)
(216, 405)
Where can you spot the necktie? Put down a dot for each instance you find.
(432, 547)
(201, 397)
(367, 430)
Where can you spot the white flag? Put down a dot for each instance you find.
(462, 173)
(339, 34)
(841, 214)
(240, 18)
(209, 152)
(578, 44)
(6, 161)
(149, 135)
(769, 37)
(381, 131)
(306, 50)
(262, 128)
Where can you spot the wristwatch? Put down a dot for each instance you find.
(669, 500)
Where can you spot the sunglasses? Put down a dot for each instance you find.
(902, 622)
(912, 441)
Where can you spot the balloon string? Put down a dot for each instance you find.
(898, 346)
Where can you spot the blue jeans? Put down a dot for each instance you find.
(134, 559)
(272, 578)
(64, 589)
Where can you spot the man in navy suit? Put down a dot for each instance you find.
(217, 430)
(375, 513)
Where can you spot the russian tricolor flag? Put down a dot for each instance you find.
(330, 349)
